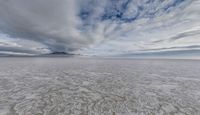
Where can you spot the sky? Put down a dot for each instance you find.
(100, 27)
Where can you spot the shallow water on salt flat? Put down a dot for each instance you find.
(83, 86)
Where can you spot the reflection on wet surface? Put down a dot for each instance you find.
(75, 86)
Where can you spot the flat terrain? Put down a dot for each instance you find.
(83, 86)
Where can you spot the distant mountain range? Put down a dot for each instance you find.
(60, 53)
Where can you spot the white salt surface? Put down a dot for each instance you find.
(78, 86)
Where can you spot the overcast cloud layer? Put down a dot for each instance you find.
(99, 27)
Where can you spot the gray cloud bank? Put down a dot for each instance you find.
(50, 22)
(92, 26)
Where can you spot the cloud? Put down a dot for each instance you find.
(166, 54)
(18, 50)
(174, 48)
(98, 27)
(50, 22)
(180, 36)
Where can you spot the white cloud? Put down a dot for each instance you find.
(99, 27)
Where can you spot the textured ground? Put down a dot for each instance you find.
(75, 86)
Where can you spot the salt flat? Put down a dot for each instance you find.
(83, 86)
